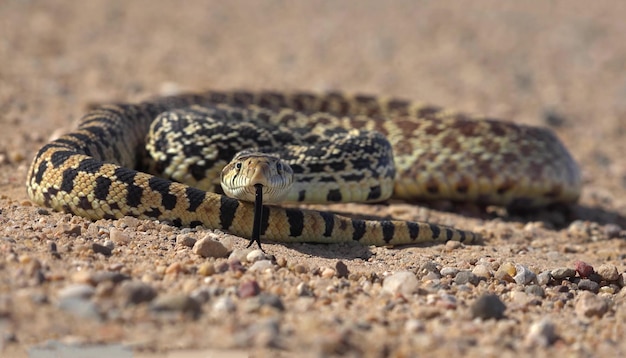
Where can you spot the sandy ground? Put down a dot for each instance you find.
(558, 64)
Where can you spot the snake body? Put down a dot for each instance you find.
(101, 170)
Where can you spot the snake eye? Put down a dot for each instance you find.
(238, 165)
(279, 167)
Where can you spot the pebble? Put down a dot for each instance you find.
(449, 271)
(174, 268)
(248, 289)
(304, 290)
(342, 269)
(224, 304)
(482, 270)
(108, 276)
(544, 278)
(563, 273)
(118, 237)
(488, 306)
(608, 272)
(176, 302)
(101, 249)
(621, 280)
(239, 254)
(261, 265)
(542, 333)
(414, 326)
(464, 277)
(206, 269)
(589, 305)
(260, 334)
(300, 268)
(185, 240)
(588, 285)
(256, 255)
(135, 292)
(264, 300)
(80, 307)
(328, 272)
(535, 290)
(400, 283)
(584, 269)
(207, 247)
(453, 245)
(81, 291)
(524, 275)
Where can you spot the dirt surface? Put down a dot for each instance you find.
(556, 64)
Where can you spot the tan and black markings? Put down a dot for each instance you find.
(102, 169)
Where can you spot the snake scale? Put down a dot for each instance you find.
(101, 170)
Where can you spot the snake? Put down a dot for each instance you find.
(162, 159)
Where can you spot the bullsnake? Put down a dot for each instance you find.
(101, 169)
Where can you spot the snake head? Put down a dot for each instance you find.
(247, 169)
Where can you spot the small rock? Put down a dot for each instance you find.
(240, 254)
(235, 265)
(542, 333)
(589, 305)
(135, 292)
(304, 290)
(563, 273)
(535, 290)
(608, 272)
(506, 271)
(342, 269)
(118, 236)
(453, 245)
(201, 294)
(108, 243)
(401, 283)
(584, 269)
(174, 268)
(300, 268)
(206, 269)
(588, 285)
(414, 326)
(482, 270)
(328, 273)
(248, 289)
(108, 276)
(82, 291)
(621, 280)
(80, 307)
(488, 306)
(176, 302)
(261, 265)
(207, 247)
(73, 230)
(524, 275)
(264, 299)
(256, 255)
(186, 240)
(449, 271)
(544, 278)
(101, 249)
(224, 304)
(464, 277)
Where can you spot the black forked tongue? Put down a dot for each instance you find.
(258, 216)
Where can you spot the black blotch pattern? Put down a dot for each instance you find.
(67, 183)
(59, 157)
(334, 195)
(153, 213)
(375, 193)
(196, 198)
(301, 195)
(359, 229)
(89, 165)
(195, 224)
(414, 230)
(133, 195)
(101, 190)
(295, 218)
(228, 209)
(462, 233)
(84, 203)
(162, 186)
(449, 234)
(388, 230)
(329, 223)
(40, 171)
(435, 229)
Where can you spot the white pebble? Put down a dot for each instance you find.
(207, 247)
(402, 283)
(261, 265)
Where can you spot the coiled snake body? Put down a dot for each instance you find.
(101, 170)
